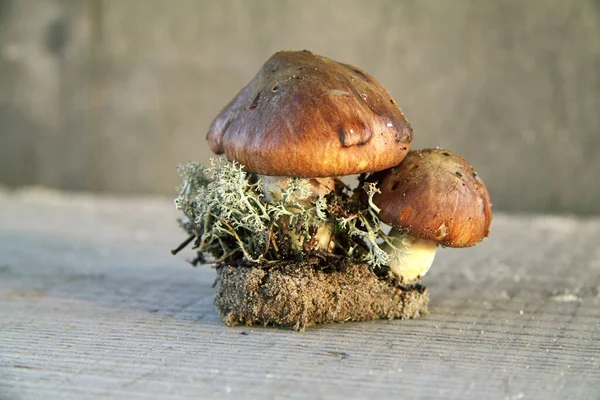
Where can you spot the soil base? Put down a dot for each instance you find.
(298, 296)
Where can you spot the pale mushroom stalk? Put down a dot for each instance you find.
(274, 185)
(410, 257)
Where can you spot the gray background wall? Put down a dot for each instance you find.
(110, 95)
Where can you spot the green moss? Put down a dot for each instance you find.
(225, 209)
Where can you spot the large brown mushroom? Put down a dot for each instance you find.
(433, 197)
(305, 115)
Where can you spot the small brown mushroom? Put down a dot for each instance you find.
(433, 197)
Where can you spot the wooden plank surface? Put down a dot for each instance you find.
(92, 305)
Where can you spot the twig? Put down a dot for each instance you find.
(222, 258)
(275, 245)
(269, 236)
(240, 242)
(183, 244)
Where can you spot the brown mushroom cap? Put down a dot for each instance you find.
(434, 194)
(308, 116)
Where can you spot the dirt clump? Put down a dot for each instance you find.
(299, 295)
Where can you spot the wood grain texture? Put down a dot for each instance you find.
(92, 305)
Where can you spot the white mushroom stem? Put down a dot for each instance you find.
(272, 187)
(413, 257)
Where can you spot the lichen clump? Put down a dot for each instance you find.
(229, 219)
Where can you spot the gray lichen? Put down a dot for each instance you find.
(226, 211)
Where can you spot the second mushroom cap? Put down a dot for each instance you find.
(434, 194)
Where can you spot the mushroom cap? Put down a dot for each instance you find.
(434, 194)
(308, 116)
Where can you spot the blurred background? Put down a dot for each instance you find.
(110, 95)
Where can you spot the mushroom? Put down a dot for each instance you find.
(307, 116)
(433, 197)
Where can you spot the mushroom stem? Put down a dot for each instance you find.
(322, 238)
(410, 257)
(272, 188)
(274, 185)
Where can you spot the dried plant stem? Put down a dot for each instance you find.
(183, 244)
